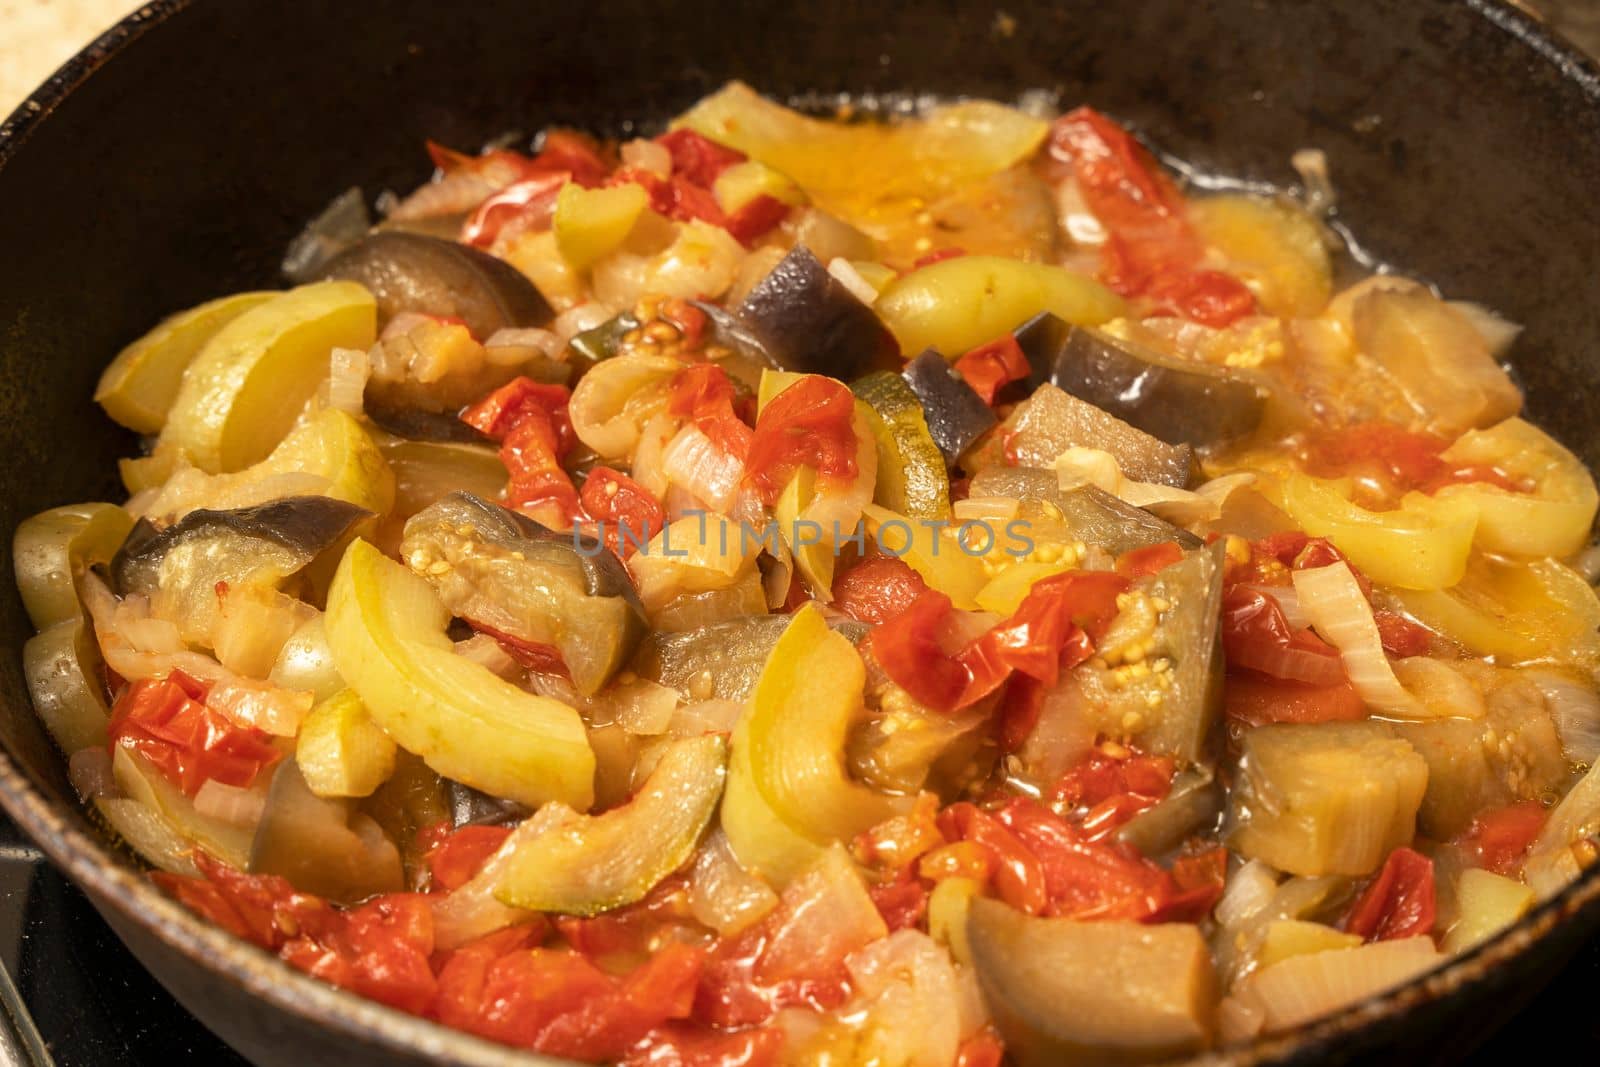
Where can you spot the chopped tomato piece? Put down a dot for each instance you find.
(629, 516)
(687, 1045)
(1199, 880)
(1087, 879)
(531, 203)
(1256, 635)
(675, 197)
(690, 321)
(1020, 708)
(760, 216)
(607, 1026)
(1208, 297)
(1400, 636)
(907, 648)
(1054, 628)
(811, 424)
(896, 843)
(530, 421)
(697, 157)
(704, 393)
(991, 367)
(1151, 250)
(454, 856)
(1499, 839)
(876, 589)
(1019, 876)
(982, 1049)
(574, 152)
(1399, 902)
(1257, 699)
(165, 721)
(531, 655)
(521, 400)
(739, 988)
(1150, 559)
(1112, 789)
(903, 902)
(1405, 459)
(380, 950)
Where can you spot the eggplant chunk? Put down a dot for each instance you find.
(721, 661)
(811, 323)
(1511, 754)
(179, 567)
(322, 846)
(1051, 421)
(1179, 402)
(1156, 681)
(1084, 513)
(446, 279)
(503, 571)
(955, 413)
(1067, 992)
(1325, 798)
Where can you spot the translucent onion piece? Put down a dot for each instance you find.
(648, 155)
(471, 912)
(643, 706)
(576, 320)
(847, 276)
(1287, 599)
(1302, 988)
(912, 999)
(692, 555)
(692, 461)
(347, 379)
(1333, 601)
(827, 915)
(266, 707)
(1575, 707)
(1247, 893)
(722, 894)
(1440, 689)
(614, 400)
(1552, 861)
(230, 804)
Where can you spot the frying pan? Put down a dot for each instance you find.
(173, 159)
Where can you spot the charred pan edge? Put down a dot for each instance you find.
(43, 100)
(114, 881)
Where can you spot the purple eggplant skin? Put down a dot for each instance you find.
(414, 424)
(446, 279)
(603, 574)
(956, 415)
(307, 525)
(322, 845)
(809, 322)
(1042, 339)
(1181, 403)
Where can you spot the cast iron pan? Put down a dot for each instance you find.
(172, 160)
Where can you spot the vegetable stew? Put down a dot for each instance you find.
(802, 590)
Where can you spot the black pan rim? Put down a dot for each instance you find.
(115, 882)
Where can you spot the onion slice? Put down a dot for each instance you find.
(1332, 599)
